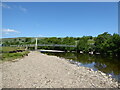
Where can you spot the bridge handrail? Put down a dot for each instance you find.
(41, 45)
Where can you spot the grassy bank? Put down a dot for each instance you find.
(11, 53)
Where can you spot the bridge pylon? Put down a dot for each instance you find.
(36, 44)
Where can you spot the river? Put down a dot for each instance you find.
(108, 65)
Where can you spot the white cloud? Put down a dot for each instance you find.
(9, 31)
(5, 6)
(22, 9)
(40, 35)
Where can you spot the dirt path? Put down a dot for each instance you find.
(42, 71)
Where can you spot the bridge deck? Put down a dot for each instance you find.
(50, 51)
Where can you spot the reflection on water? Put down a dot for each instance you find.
(108, 65)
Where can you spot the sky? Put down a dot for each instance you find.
(58, 19)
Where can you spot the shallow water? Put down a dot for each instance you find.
(108, 65)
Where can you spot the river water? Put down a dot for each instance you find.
(108, 65)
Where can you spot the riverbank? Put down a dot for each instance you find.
(11, 53)
(38, 70)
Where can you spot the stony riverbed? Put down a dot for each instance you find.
(38, 70)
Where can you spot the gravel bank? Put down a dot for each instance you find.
(42, 71)
(0, 76)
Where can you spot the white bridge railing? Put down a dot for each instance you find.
(54, 45)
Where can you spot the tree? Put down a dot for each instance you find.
(83, 45)
(27, 40)
(108, 44)
(113, 45)
(100, 41)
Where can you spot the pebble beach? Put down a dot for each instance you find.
(39, 70)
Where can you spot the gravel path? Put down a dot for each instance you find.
(42, 71)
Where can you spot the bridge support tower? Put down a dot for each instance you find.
(36, 44)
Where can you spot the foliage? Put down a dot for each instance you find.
(11, 56)
(8, 49)
(82, 44)
(6, 55)
(100, 41)
(108, 44)
(104, 43)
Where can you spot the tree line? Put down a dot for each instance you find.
(104, 43)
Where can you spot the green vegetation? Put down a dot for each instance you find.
(107, 43)
(104, 43)
(9, 49)
(11, 53)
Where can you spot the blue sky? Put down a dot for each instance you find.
(60, 19)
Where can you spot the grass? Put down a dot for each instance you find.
(6, 56)
(91, 41)
(8, 49)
